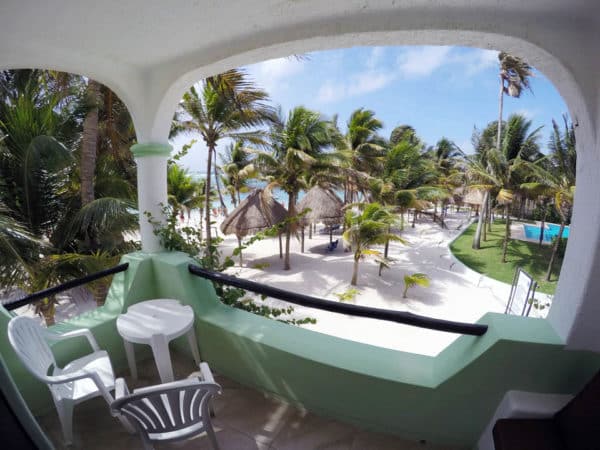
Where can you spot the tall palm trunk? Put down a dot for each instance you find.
(218, 182)
(239, 239)
(543, 225)
(288, 231)
(500, 107)
(355, 270)
(489, 214)
(207, 205)
(555, 249)
(386, 249)
(506, 232)
(477, 238)
(89, 144)
(483, 218)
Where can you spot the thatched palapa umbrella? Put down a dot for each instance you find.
(325, 206)
(473, 196)
(256, 212)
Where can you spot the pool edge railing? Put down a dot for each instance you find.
(402, 317)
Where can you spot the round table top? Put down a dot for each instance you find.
(161, 316)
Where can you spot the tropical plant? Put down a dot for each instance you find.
(554, 177)
(348, 295)
(361, 151)
(416, 279)
(184, 193)
(503, 170)
(368, 225)
(189, 240)
(514, 77)
(238, 168)
(297, 148)
(226, 105)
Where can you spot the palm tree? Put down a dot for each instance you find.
(361, 150)
(502, 170)
(368, 225)
(183, 191)
(89, 143)
(298, 145)
(514, 77)
(238, 168)
(555, 177)
(227, 105)
(34, 162)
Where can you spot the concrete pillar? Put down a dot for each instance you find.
(151, 159)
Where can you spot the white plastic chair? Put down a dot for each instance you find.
(171, 411)
(84, 378)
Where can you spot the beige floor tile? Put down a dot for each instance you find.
(307, 431)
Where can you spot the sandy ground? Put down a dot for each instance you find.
(455, 292)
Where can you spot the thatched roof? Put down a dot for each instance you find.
(325, 206)
(256, 212)
(473, 196)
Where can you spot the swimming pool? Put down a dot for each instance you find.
(550, 231)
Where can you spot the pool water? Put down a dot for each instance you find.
(550, 231)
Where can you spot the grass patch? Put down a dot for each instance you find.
(488, 259)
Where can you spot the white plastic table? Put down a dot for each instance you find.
(156, 323)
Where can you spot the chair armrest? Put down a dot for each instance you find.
(78, 375)
(161, 387)
(121, 389)
(206, 373)
(76, 333)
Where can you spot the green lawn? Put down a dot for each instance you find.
(487, 260)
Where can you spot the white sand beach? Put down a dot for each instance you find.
(455, 293)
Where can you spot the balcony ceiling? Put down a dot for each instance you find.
(145, 34)
(150, 51)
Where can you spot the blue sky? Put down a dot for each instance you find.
(440, 91)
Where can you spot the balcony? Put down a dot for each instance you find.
(348, 387)
(272, 424)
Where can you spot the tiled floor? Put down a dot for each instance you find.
(245, 420)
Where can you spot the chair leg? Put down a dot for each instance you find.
(211, 435)
(146, 443)
(65, 415)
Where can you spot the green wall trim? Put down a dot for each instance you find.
(446, 399)
(151, 149)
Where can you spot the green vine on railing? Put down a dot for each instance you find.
(189, 240)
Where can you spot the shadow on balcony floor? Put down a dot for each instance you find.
(245, 420)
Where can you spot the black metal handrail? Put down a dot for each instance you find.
(406, 318)
(64, 287)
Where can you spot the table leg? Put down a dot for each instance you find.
(130, 352)
(162, 357)
(191, 337)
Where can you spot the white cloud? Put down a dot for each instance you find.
(527, 113)
(475, 61)
(375, 57)
(354, 85)
(274, 73)
(422, 61)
